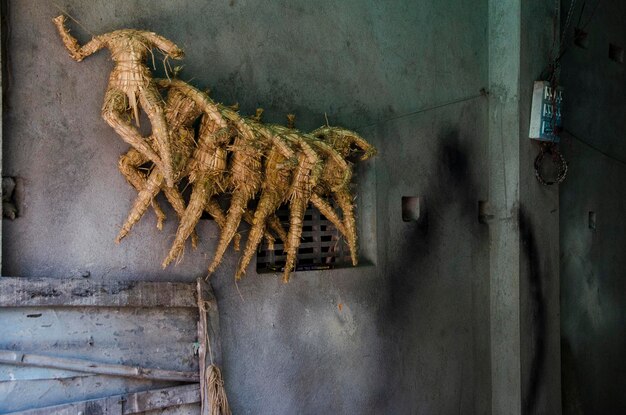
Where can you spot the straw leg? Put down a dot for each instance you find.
(274, 224)
(178, 203)
(297, 209)
(268, 203)
(327, 210)
(215, 210)
(235, 212)
(330, 214)
(152, 104)
(151, 189)
(188, 222)
(347, 207)
(269, 238)
(127, 165)
(113, 112)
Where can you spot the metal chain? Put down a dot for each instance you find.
(557, 158)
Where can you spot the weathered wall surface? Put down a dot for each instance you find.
(524, 272)
(412, 332)
(592, 260)
(538, 220)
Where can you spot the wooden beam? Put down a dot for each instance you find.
(110, 406)
(127, 404)
(210, 349)
(210, 324)
(162, 398)
(87, 366)
(36, 292)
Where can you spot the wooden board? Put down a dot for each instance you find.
(41, 292)
(126, 404)
(89, 366)
(61, 340)
(149, 337)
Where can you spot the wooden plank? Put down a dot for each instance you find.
(29, 292)
(127, 404)
(104, 406)
(146, 337)
(87, 366)
(20, 396)
(210, 350)
(161, 398)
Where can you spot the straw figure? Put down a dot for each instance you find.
(298, 193)
(209, 176)
(322, 205)
(333, 180)
(274, 191)
(207, 172)
(229, 154)
(131, 84)
(305, 176)
(184, 106)
(251, 143)
(244, 180)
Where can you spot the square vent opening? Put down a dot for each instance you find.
(321, 245)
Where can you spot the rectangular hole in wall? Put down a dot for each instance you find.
(484, 215)
(10, 195)
(616, 53)
(410, 208)
(592, 220)
(581, 38)
(321, 245)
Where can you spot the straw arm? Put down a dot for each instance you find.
(341, 163)
(77, 52)
(280, 143)
(164, 44)
(201, 99)
(348, 138)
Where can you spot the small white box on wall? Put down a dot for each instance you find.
(546, 117)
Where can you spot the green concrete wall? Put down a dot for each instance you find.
(593, 304)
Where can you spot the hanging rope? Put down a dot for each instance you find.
(213, 393)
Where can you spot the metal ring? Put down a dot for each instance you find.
(558, 159)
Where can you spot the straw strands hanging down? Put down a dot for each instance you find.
(229, 154)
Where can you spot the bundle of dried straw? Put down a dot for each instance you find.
(229, 154)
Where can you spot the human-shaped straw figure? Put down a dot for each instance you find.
(130, 82)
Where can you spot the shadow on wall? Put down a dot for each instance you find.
(417, 258)
(537, 309)
(569, 378)
(451, 185)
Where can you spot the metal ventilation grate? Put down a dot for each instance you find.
(321, 247)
